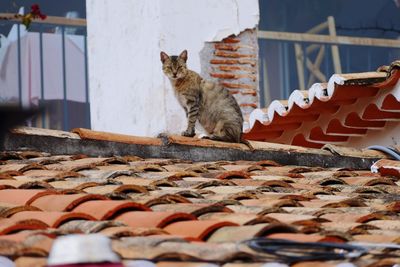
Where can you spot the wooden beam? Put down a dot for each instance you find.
(266, 88)
(49, 20)
(300, 65)
(319, 28)
(334, 48)
(312, 48)
(315, 70)
(316, 66)
(326, 39)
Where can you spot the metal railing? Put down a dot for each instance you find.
(59, 111)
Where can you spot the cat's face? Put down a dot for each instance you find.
(174, 66)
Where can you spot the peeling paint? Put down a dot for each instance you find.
(246, 14)
(125, 76)
(233, 63)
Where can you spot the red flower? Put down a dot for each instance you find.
(35, 12)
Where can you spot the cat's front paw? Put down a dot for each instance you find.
(188, 133)
(162, 135)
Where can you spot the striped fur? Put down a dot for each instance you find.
(209, 103)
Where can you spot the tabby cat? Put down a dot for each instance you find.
(211, 104)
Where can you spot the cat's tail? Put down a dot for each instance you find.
(247, 143)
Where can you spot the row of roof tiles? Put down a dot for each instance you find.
(165, 209)
(346, 111)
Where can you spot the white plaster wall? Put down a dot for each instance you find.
(128, 91)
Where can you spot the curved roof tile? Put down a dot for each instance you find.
(339, 111)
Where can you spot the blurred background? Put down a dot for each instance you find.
(356, 18)
(47, 65)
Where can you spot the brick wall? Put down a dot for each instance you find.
(233, 63)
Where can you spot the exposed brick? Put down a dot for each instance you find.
(231, 68)
(228, 47)
(233, 55)
(231, 40)
(249, 92)
(224, 61)
(232, 76)
(233, 61)
(223, 75)
(233, 64)
(234, 92)
(238, 85)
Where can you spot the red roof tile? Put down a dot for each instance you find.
(52, 218)
(159, 219)
(63, 202)
(196, 229)
(108, 209)
(8, 226)
(23, 197)
(181, 211)
(347, 106)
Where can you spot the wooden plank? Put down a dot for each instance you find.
(317, 65)
(326, 39)
(266, 88)
(334, 48)
(300, 65)
(315, 70)
(49, 20)
(312, 48)
(319, 28)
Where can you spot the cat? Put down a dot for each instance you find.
(209, 103)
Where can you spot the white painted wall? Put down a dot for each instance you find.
(128, 91)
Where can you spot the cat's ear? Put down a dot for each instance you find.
(163, 56)
(183, 55)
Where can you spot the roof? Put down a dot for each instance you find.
(180, 212)
(354, 109)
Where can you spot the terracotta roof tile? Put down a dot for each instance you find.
(63, 202)
(176, 249)
(194, 209)
(23, 196)
(243, 264)
(238, 218)
(87, 227)
(319, 118)
(171, 210)
(159, 219)
(124, 231)
(109, 189)
(39, 241)
(387, 167)
(52, 218)
(196, 229)
(8, 226)
(18, 236)
(28, 261)
(88, 134)
(108, 209)
(183, 264)
(236, 234)
(7, 209)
